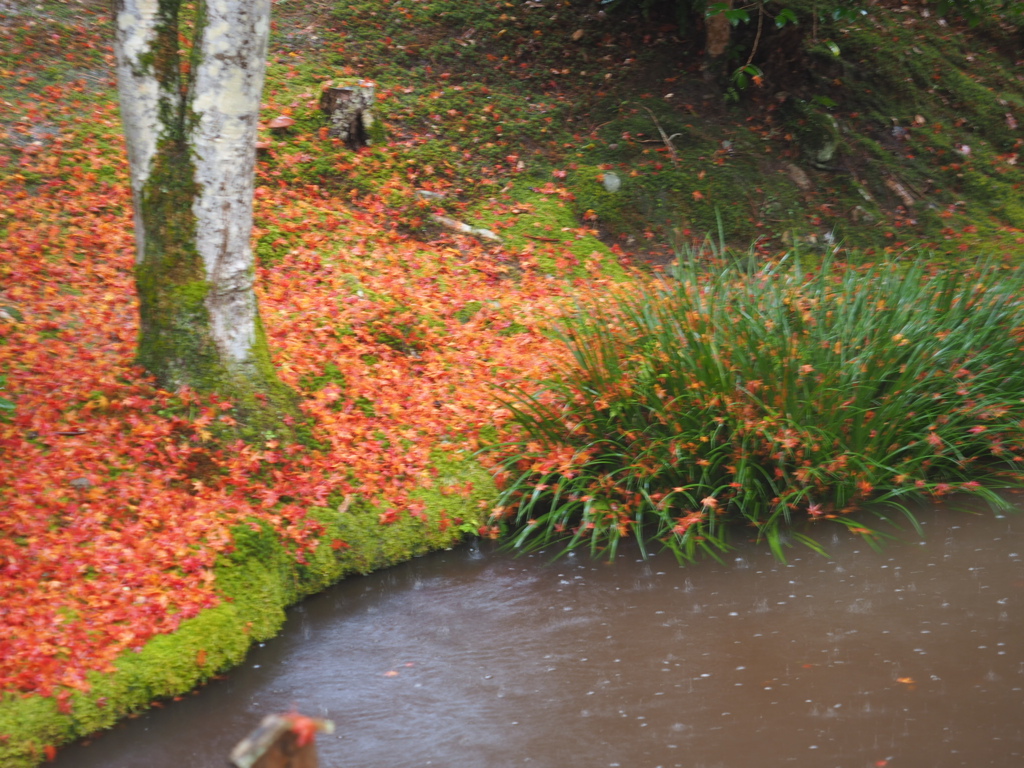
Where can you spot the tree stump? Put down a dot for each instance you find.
(348, 108)
(717, 36)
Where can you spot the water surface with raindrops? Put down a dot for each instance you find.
(911, 656)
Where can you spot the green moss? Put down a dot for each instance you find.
(257, 578)
(550, 230)
(377, 133)
(170, 277)
(370, 544)
(915, 92)
(167, 666)
(612, 209)
(513, 329)
(272, 246)
(331, 375)
(175, 341)
(469, 309)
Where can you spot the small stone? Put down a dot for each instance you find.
(799, 177)
(611, 181)
(862, 215)
(81, 483)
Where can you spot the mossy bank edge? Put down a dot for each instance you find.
(257, 581)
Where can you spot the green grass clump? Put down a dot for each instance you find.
(769, 398)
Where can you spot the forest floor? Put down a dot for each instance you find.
(122, 503)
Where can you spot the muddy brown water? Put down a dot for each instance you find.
(472, 658)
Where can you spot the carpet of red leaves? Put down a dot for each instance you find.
(117, 500)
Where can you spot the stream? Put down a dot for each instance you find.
(473, 658)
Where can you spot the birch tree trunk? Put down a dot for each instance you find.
(190, 81)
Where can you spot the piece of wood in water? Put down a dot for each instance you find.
(281, 741)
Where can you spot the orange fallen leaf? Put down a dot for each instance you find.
(304, 728)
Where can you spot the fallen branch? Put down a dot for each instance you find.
(466, 229)
(896, 186)
(666, 139)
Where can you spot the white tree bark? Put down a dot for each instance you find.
(140, 94)
(226, 104)
(191, 134)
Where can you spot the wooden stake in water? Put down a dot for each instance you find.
(281, 741)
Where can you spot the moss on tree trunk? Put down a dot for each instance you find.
(191, 140)
(176, 342)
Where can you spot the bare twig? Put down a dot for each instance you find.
(757, 38)
(665, 138)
